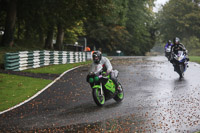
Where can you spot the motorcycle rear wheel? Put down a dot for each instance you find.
(99, 98)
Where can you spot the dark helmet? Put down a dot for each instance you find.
(176, 40)
(97, 57)
(169, 42)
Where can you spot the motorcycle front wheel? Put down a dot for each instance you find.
(99, 98)
(180, 71)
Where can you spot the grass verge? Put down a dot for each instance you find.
(15, 89)
(195, 59)
(56, 69)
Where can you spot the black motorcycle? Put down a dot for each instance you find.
(180, 63)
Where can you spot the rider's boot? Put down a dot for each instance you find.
(117, 87)
(115, 80)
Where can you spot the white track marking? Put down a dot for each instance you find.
(39, 92)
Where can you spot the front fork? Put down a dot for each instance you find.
(101, 89)
(186, 65)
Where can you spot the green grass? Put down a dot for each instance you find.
(56, 69)
(15, 89)
(195, 59)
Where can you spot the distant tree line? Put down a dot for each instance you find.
(126, 25)
(181, 18)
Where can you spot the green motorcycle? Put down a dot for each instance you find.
(103, 88)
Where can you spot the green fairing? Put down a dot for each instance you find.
(110, 86)
(96, 86)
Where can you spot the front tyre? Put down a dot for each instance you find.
(98, 97)
(180, 71)
(120, 96)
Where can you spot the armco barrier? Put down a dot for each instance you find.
(25, 59)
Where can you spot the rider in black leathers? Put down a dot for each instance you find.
(176, 47)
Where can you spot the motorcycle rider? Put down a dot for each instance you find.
(176, 47)
(169, 43)
(107, 67)
(168, 54)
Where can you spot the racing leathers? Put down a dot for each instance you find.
(167, 45)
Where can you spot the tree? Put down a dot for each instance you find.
(49, 38)
(107, 30)
(75, 11)
(140, 26)
(108, 24)
(179, 18)
(8, 37)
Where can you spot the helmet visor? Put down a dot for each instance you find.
(96, 59)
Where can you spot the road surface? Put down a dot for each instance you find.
(155, 101)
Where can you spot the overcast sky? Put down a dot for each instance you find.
(158, 4)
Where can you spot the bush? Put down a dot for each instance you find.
(192, 45)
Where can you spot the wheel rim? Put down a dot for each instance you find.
(100, 98)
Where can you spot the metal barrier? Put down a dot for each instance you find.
(34, 59)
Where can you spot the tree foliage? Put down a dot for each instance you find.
(128, 27)
(179, 18)
(140, 25)
(107, 24)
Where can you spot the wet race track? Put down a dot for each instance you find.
(155, 101)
